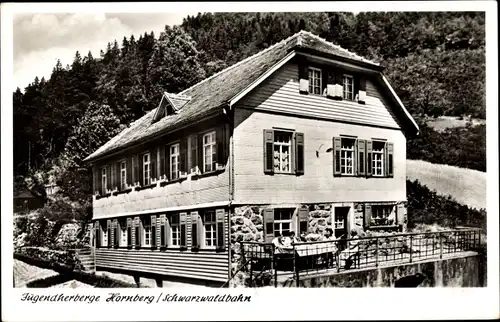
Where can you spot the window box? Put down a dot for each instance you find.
(183, 248)
(153, 247)
(149, 186)
(103, 196)
(220, 249)
(137, 247)
(164, 183)
(195, 249)
(116, 193)
(163, 248)
(207, 174)
(129, 247)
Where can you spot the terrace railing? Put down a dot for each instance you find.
(301, 259)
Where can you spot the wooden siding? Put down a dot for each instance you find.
(199, 265)
(318, 183)
(203, 264)
(280, 93)
(205, 189)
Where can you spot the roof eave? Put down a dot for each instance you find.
(372, 66)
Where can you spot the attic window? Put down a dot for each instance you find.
(170, 104)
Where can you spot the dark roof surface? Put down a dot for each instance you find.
(211, 94)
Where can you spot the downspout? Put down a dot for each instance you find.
(230, 117)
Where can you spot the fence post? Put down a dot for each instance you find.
(295, 266)
(440, 245)
(376, 252)
(411, 246)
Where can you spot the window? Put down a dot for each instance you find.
(339, 222)
(347, 156)
(209, 152)
(315, 81)
(146, 162)
(383, 215)
(282, 222)
(123, 175)
(348, 87)
(123, 235)
(175, 227)
(147, 233)
(104, 180)
(282, 151)
(378, 158)
(174, 161)
(104, 241)
(209, 225)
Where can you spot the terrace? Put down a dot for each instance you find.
(333, 257)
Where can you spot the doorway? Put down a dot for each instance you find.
(340, 224)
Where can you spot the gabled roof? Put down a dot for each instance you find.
(209, 96)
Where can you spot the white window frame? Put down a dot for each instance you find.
(279, 151)
(282, 220)
(146, 178)
(123, 235)
(339, 222)
(210, 227)
(212, 145)
(104, 180)
(345, 151)
(104, 240)
(146, 239)
(123, 175)
(174, 174)
(347, 95)
(385, 212)
(312, 78)
(175, 231)
(378, 158)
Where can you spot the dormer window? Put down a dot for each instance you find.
(348, 87)
(315, 81)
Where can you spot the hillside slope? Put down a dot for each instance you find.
(466, 186)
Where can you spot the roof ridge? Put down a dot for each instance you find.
(339, 47)
(242, 61)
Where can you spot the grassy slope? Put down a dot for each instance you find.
(25, 273)
(468, 187)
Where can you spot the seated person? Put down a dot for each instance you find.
(328, 257)
(294, 239)
(281, 245)
(352, 249)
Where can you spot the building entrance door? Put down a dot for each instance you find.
(340, 224)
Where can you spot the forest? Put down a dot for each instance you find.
(435, 61)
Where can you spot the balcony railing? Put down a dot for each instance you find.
(302, 259)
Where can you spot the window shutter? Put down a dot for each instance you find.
(117, 232)
(220, 228)
(95, 186)
(153, 164)
(118, 175)
(362, 90)
(162, 161)
(135, 165)
(162, 231)
(361, 157)
(183, 220)
(400, 215)
(201, 161)
(128, 164)
(167, 230)
(219, 139)
(153, 231)
(299, 153)
(303, 78)
(141, 169)
(97, 234)
(368, 158)
(129, 232)
(110, 232)
(167, 162)
(268, 215)
(111, 176)
(303, 221)
(99, 180)
(195, 240)
(337, 144)
(390, 159)
(368, 216)
(194, 151)
(138, 232)
(183, 155)
(268, 151)
(108, 178)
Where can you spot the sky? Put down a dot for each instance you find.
(40, 39)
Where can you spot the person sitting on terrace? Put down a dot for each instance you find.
(294, 239)
(281, 244)
(328, 257)
(352, 250)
